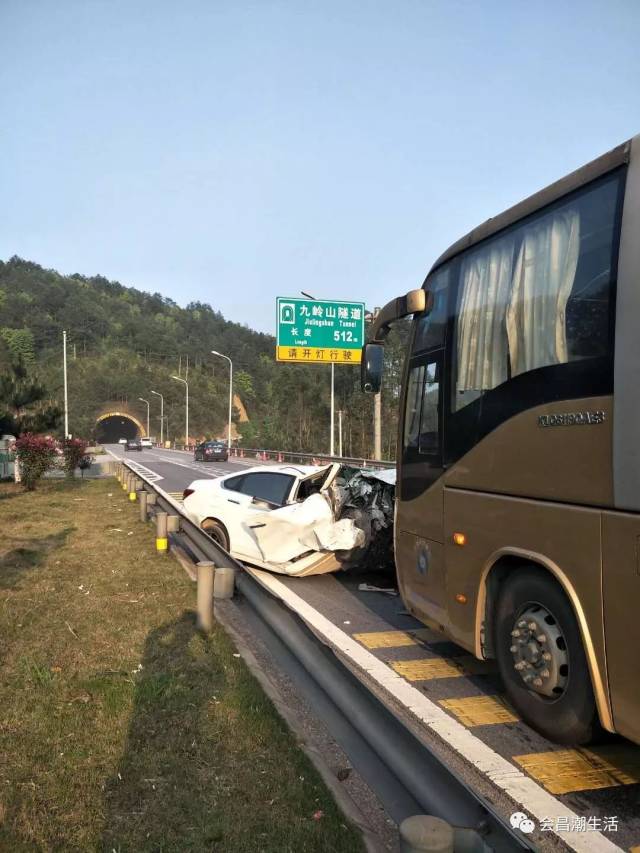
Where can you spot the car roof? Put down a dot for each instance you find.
(294, 470)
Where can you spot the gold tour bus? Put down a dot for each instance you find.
(517, 519)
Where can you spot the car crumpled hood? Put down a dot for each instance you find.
(289, 532)
(351, 520)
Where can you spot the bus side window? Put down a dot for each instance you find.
(414, 399)
(429, 442)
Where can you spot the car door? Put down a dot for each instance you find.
(254, 493)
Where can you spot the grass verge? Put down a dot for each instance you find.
(121, 727)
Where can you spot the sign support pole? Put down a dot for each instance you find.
(333, 371)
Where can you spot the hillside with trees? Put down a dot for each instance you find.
(123, 342)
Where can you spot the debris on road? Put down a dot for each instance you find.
(367, 587)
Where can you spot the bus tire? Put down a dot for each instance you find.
(560, 704)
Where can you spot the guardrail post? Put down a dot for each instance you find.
(152, 499)
(223, 582)
(133, 485)
(142, 497)
(125, 477)
(205, 596)
(162, 543)
(173, 523)
(426, 834)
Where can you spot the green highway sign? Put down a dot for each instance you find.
(319, 330)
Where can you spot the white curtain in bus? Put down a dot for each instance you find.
(481, 329)
(542, 281)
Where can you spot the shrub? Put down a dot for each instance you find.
(74, 450)
(35, 456)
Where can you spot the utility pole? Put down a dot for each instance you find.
(377, 426)
(161, 417)
(340, 433)
(66, 393)
(186, 420)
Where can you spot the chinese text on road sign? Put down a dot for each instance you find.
(319, 331)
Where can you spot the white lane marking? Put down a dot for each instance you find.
(152, 476)
(208, 472)
(522, 789)
(233, 460)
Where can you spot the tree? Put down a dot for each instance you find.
(35, 456)
(24, 403)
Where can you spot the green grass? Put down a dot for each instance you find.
(121, 727)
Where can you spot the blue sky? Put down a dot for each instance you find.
(232, 152)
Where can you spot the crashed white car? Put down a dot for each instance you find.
(279, 517)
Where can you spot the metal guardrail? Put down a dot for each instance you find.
(416, 774)
(310, 458)
(300, 457)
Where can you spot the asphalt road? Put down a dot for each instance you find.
(174, 470)
(599, 784)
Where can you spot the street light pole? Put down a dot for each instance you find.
(213, 352)
(161, 417)
(142, 400)
(186, 428)
(66, 395)
(340, 433)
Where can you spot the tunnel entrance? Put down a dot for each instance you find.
(113, 426)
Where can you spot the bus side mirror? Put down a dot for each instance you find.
(371, 368)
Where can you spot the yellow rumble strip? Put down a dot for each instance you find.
(583, 769)
(384, 639)
(425, 669)
(480, 710)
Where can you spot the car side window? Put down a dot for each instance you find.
(268, 486)
(234, 484)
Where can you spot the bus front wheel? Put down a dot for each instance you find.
(541, 658)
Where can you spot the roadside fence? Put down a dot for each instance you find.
(299, 457)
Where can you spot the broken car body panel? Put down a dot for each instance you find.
(297, 520)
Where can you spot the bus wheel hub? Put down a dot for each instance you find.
(539, 651)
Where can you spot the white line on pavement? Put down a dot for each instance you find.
(523, 790)
(152, 476)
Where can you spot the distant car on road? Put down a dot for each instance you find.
(133, 444)
(146, 442)
(122, 441)
(210, 450)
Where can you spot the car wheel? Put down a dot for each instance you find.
(542, 660)
(217, 532)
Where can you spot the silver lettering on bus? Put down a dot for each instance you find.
(572, 419)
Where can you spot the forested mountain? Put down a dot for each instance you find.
(122, 343)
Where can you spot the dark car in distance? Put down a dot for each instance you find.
(210, 450)
(133, 444)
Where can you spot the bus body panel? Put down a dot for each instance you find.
(626, 423)
(558, 451)
(564, 539)
(621, 574)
